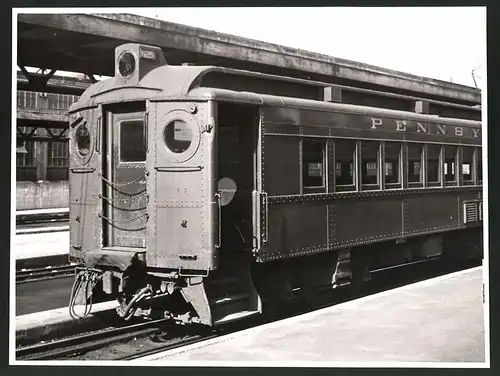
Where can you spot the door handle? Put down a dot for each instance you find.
(98, 136)
(82, 170)
(266, 214)
(178, 168)
(219, 213)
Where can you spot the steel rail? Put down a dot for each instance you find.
(170, 346)
(39, 274)
(27, 219)
(86, 342)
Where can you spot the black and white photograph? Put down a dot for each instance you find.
(249, 187)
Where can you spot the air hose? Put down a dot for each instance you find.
(86, 280)
(128, 312)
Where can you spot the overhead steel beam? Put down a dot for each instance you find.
(51, 88)
(42, 115)
(91, 78)
(204, 43)
(32, 135)
(56, 84)
(37, 79)
(37, 56)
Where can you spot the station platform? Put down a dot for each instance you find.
(45, 325)
(41, 211)
(40, 249)
(437, 320)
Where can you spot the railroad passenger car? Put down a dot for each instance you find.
(209, 194)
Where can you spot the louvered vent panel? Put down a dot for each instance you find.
(481, 211)
(471, 212)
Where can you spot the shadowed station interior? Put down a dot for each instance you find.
(213, 178)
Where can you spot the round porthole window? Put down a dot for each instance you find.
(178, 136)
(82, 138)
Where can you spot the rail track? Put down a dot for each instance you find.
(65, 347)
(140, 340)
(143, 339)
(173, 345)
(40, 274)
(41, 218)
(33, 223)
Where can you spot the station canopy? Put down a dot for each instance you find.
(85, 43)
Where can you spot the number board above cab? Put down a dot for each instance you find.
(366, 123)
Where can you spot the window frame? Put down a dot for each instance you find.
(423, 165)
(440, 173)
(478, 156)
(384, 183)
(346, 187)
(58, 154)
(455, 181)
(314, 189)
(472, 167)
(370, 186)
(28, 159)
(145, 141)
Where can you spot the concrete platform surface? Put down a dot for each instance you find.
(46, 325)
(438, 320)
(40, 245)
(42, 211)
(41, 230)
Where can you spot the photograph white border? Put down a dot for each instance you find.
(12, 299)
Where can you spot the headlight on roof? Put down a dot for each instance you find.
(126, 64)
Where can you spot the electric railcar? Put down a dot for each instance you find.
(209, 194)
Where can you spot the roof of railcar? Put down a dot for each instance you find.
(178, 82)
(272, 100)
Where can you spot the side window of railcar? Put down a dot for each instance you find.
(479, 158)
(345, 155)
(313, 160)
(467, 164)
(450, 163)
(415, 165)
(433, 165)
(132, 141)
(392, 164)
(370, 152)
